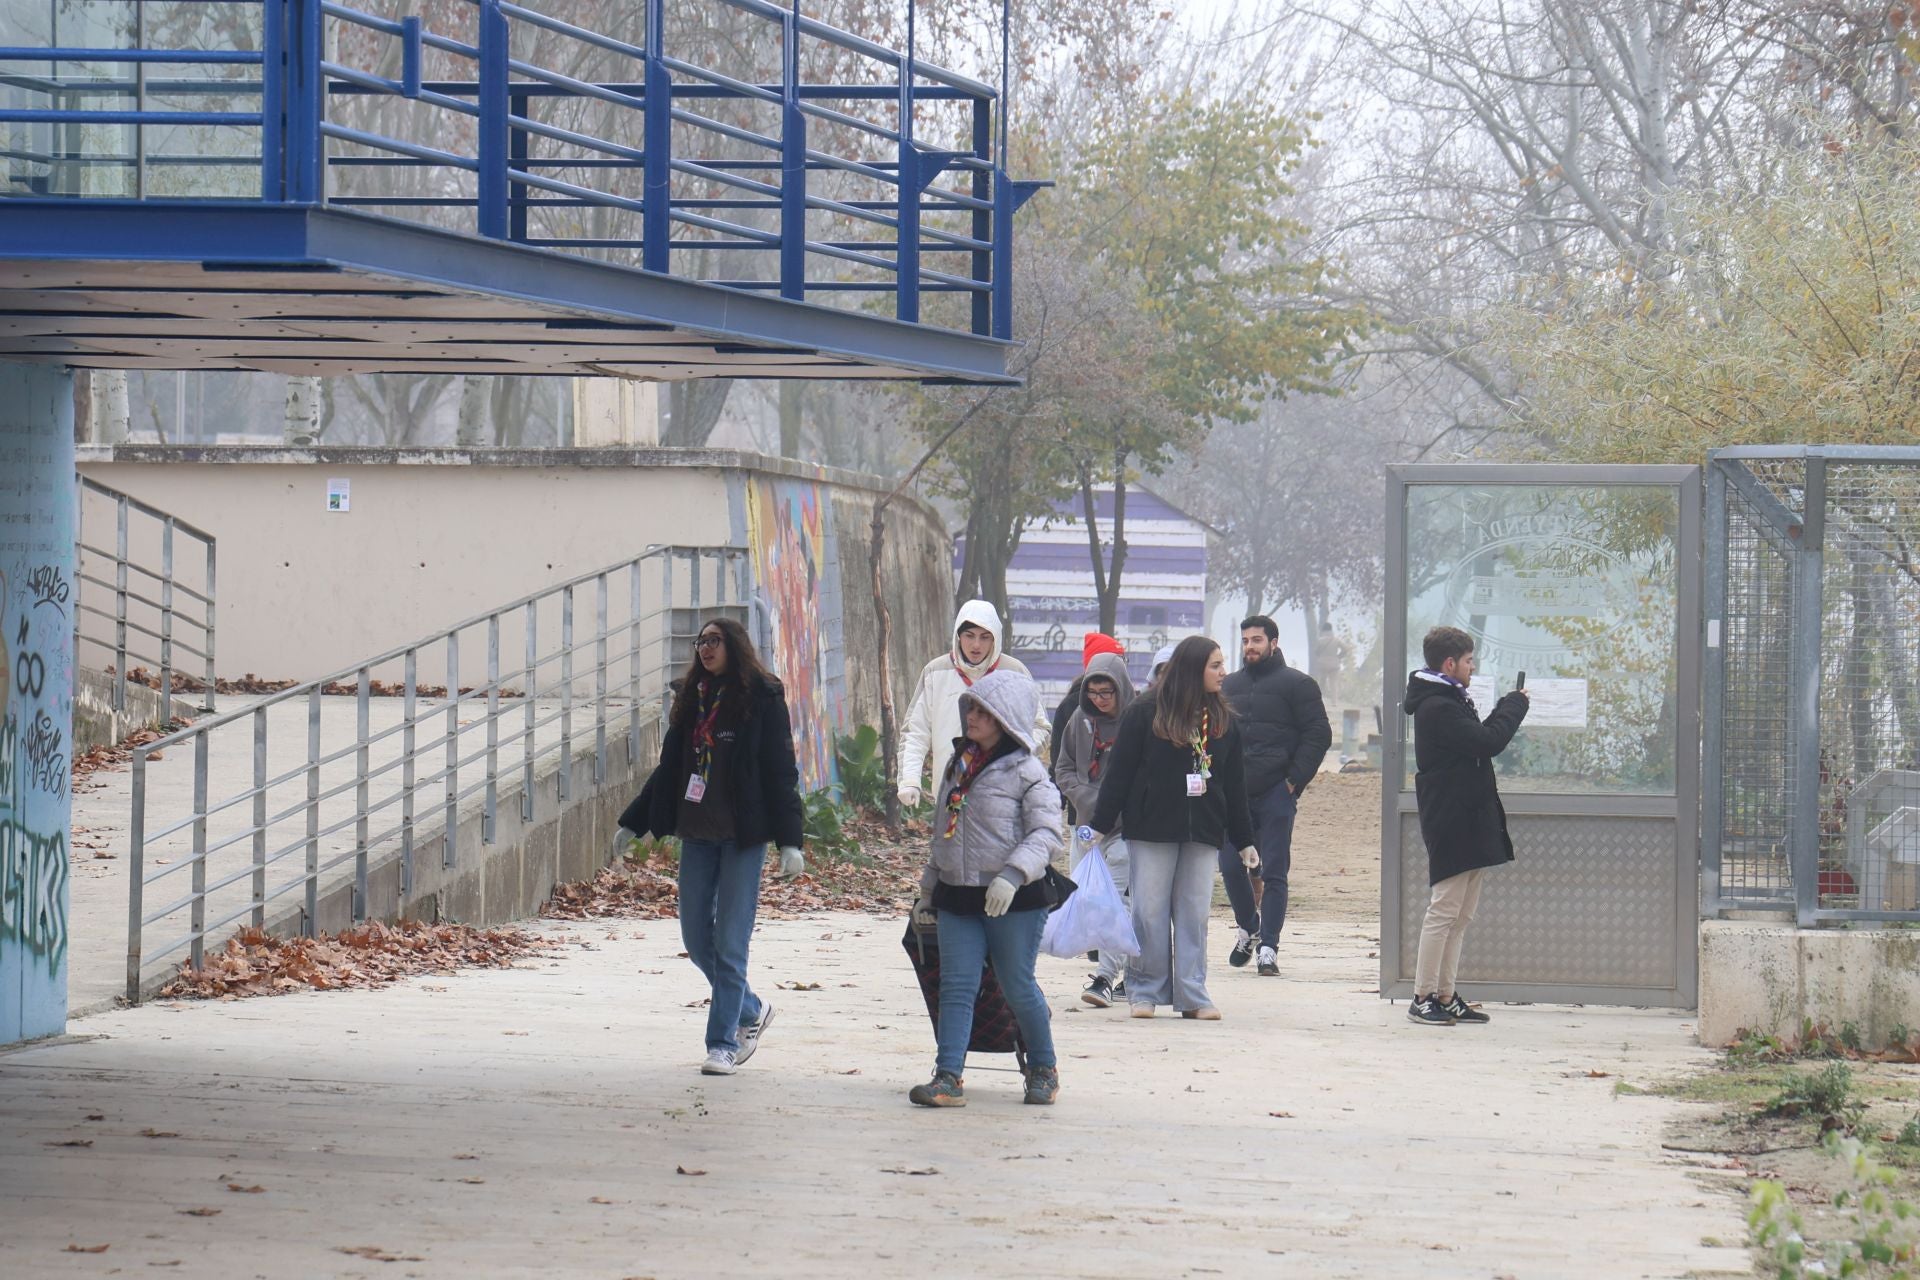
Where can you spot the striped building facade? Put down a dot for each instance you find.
(1050, 590)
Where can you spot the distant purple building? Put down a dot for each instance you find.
(1163, 586)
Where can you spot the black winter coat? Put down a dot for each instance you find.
(1283, 720)
(1143, 787)
(1461, 817)
(765, 782)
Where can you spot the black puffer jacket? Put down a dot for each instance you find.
(1461, 817)
(1283, 720)
(1143, 786)
(765, 782)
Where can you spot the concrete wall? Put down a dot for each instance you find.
(1775, 978)
(36, 695)
(430, 537)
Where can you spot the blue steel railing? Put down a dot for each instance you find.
(817, 163)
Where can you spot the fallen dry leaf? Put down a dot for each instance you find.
(691, 1173)
(158, 1133)
(1598, 1075)
(853, 1072)
(255, 963)
(1281, 1115)
(598, 1200)
(200, 1213)
(96, 1117)
(464, 1156)
(927, 1172)
(88, 1248)
(245, 1191)
(375, 1253)
(474, 1182)
(73, 1142)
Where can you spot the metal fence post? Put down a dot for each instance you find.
(566, 694)
(311, 925)
(600, 681)
(409, 693)
(529, 697)
(136, 873)
(452, 824)
(1713, 780)
(493, 188)
(259, 818)
(363, 759)
(166, 616)
(212, 595)
(634, 593)
(793, 162)
(489, 823)
(1808, 605)
(197, 949)
(907, 258)
(305, 93)
(120, 605)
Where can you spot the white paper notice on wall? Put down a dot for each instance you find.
(1713, 633)
(1556, 704)
(339, 495)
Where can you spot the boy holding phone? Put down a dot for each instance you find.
(1461, 818)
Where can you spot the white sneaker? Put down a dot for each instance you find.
(1269, 963)
(719, 1063)
(749, 1034)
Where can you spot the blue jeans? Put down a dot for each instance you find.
(719, 893)
(1012, 941)
(1273, 815)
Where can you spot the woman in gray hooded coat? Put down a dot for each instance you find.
(1105, 693)
(996, 827)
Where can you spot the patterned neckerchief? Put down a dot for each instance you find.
(1202, 752)
(971, 760)
(704, 725)
(1100, 746)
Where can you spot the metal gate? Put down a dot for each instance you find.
(1588, 579)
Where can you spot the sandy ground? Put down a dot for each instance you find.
(549, 1120)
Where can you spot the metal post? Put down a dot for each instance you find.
(452, 821)
(982, 232)
(1804, 689)
(493, 187)
(907, 258)
(259, 817)
(407, 745)
(633, 665)
(600, 682)
(656, 218)
(120, 605)
(306, 148)
(517, 154)
(273, 101)
(311, 925)
(212, 680)
(363, 759)
(197, 949)
(490, 818)
(139, 104)
(1713, 780)
(566, 694)
(529, 699)
(793, 163)
(166, 617)
(136, 873)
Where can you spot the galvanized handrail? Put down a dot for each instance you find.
(230, 837)
(128, 641)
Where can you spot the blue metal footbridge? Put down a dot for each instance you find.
(644, 190)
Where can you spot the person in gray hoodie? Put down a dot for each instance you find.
(1106, 690)
(996, 827)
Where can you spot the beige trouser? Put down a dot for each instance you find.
(1454, 901)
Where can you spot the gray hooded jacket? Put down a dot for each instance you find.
(1010, 819)
(1075, 768)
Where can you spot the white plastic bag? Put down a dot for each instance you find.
(1095, 918)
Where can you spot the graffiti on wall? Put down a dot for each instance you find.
(793, 559)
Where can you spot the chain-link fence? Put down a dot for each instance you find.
(1812, 767)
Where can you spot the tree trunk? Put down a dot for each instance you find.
(792, 417)
(83, 428)
(470, 430)
(302, 425)
(1117, 559)
(693, 411)
(889, 724)
(116, 413)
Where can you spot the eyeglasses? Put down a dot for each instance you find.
(1105, 695)
(705, 643)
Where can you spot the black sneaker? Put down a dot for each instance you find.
(1119, 989)
(1242, 949)
(1043, 1086)
(942, 1091)
(1099, 993)
(1429, 1012)
(1269, 963)
(1460, 1011)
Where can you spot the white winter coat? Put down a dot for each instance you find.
(933, 718)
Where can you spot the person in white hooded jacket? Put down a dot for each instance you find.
(933, 717)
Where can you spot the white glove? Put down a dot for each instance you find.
(909, 797)
(1250, 858)
(999, 896)
(923, 915)
(791, 862)
(623, 843)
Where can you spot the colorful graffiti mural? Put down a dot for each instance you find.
(36, 696)
(796, 569)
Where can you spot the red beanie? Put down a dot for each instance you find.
(1098, 642)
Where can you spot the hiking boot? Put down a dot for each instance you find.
(942, 1091)
(720, 1062)
(1242, 949)
(1460, 1011)
(1429, 1012)
(1043, 1086)
(1269, 963)
(749, 1034)
(1099, 993)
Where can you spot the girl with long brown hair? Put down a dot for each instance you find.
(1174, 781)
(727, 785)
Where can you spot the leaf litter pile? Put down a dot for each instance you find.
(884, 878)
(255, 963)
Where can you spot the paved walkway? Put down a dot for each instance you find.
(533, 1122)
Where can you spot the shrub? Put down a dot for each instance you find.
(1825, 1094)
(826, 820)
(863, 772)
(1882, 1231)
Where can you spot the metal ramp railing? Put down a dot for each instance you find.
(320, 784)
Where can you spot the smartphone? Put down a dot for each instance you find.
(1520, 681)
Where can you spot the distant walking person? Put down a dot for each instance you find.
(1284, 725)
(933, 717)
(996, 829)
(1175, 785)
(1095, 644)
(727, 785)
(1330, 657)
(1462, 820)
(1106, 691)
